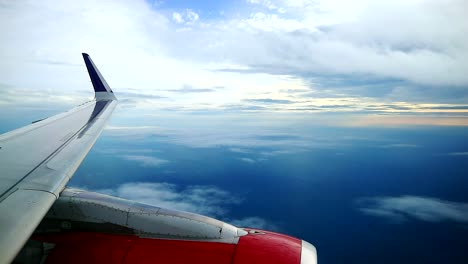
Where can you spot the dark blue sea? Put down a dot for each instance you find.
(359, 193)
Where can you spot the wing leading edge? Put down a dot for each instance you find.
(38, 160)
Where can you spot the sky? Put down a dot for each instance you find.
(344, 123)
(288, 55)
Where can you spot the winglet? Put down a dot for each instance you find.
(101, 88)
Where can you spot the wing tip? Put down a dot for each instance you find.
(100, 85)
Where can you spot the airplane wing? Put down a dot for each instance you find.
(37, 161)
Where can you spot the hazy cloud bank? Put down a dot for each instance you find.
(399, 209)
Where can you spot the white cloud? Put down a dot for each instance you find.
(268, 51)
(206, 200)
(132, 128)
(239, 150)
(273, 23)
(177, 17)
(145, 161)
(416, 207)
(48, 98)
(248, 160)
(409, 40)
(191, 16)
(282, 152)
(266, 3)
(187, 17)
(400, 145)
(114, 151)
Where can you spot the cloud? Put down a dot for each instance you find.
(316, 41)
(263, 154)
(177, 17)
(319, 41)
(239, 150)
(135, 132)
(224, 130)
(389, 52)
(375, 120)
(132, 128)
(269, 101)
(248, 160)
(113, 151)
(266, 3)
(188, 17)
(145, 161)
(190, 89)
(454, 107)
(25, 97)
(400, 145)
(403, 208)
(123, 95)
(255, 222)
(278, 137)
(243, 108)
(191, 16)
(57, 62)
(282, 152)
(206, 200)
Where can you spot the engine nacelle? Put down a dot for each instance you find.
(86, 227)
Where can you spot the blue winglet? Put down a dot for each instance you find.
(100, 85)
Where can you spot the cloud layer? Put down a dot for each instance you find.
(414, 207)
(145, 161)
(276, 55)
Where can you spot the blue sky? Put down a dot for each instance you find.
(353, 112)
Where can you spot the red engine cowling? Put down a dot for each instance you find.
(256, 247)
(86, 227)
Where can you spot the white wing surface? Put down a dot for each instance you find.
(37, 161)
